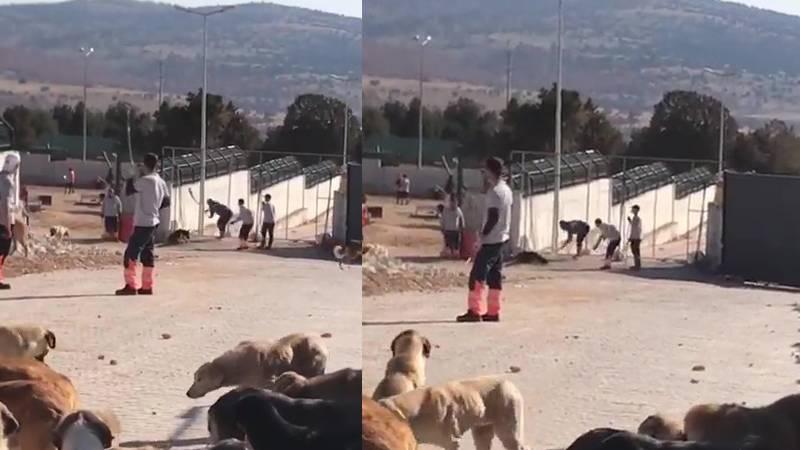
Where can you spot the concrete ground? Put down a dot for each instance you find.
(603, 349)
(136, 355)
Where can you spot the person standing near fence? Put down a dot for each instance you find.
(7, 188)
(268, 222)
(405, 189)
(69, 187)
(151, 196)
(112, 208)
(225, 214)
(635, 237)
(246, 217)
(488, 265)
(608, 233)
(452, 222)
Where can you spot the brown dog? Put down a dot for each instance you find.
(20, 369)
(26, 341)
(440, 415)
(343, 384)
(8, 426)
(405, 371)
(776, 423)
(38, 407)
(257, 364)
(661, 428)
(383, 430)
(85, 430)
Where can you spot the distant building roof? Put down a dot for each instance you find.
(399, 150)
(64, 146)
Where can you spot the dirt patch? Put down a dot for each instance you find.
(48, 254)
(382, 274)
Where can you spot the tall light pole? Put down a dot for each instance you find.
(346, 113)
(205, 14)
(509, 68)
(557, 182)
(86, 52)
(721, 157)
(423, 42)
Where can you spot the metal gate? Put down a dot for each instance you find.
(761, 217)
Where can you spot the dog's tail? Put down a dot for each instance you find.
(339, 252)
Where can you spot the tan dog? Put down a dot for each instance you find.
(440, 415)
(343, 384)
(85, 430)
(257, 364)
(38, 407)
(776, 423)
(8, 426)
(19, 231)
(26, 342)
(405, 371)
(21, 369)
(383, 430)
(661, 428)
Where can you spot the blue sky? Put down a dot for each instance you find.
(346, 7)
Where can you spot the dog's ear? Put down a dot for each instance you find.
(99, 428)
(426, 347)
(61, 429)
(50, 337)
(394, 343)
(8, 421)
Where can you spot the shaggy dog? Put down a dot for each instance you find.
(178, 237)
(273, 421)
(659, 427)
(611, 439)
(59, 232)
(383, 430)
(8, 426)
(83, 430)
(486, 406)
(26, 342)
(257, 364)
(343, 384)
(38, 407)
(405, 371)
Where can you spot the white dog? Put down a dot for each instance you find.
(59, 232)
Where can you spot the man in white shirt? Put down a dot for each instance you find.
(152, 195)
(111, 208)
(609, 233)
(452, 222)
(635, 237)
(405, 189)
(268, 222)
(488, 265)
(7, 209)
(246, 217)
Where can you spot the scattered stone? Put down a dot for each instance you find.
(101, 357)
(113, 362)
(698, 368)
(326, 335)
(166, 336)
(514, 369)
(693, 381)
(382, 274)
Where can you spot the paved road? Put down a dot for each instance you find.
(208, 300)
(602, 349)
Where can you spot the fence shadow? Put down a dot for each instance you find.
(696, 275)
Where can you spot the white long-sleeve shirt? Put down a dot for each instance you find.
(268, 213)
(245, 216)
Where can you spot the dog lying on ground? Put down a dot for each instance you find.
(383, 430)
(405, 371)
(8, 426)
(26, 342)
(38, 407)
(257, 364)
(84, 430)
(343, 384)
(350, 253)
(59, 232)
(440, 415)
(612, 439)
(178, 237)
(659, 427)
(21, 369)
(777, 423)
(272, 421)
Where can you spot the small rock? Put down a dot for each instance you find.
(693, 381)
(698, 368)
(166, 336)
(113, 362)
(99, 316)
(326, 335)
(514, 369)
(750, 365)
(101, 357)
(153, 413)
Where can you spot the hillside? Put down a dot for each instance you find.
(261, 55)
(624, 53)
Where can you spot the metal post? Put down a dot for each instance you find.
(316, 209)
(160, 83)
(557, 184)
(86, 54)
(509, 62)
(721, 138)
(346, 129)
(201, 210)
(525, 205)
(421, 68)
(286, 216)
(654, 228)
(700, 228)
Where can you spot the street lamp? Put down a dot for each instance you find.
(557, 181)
(423, 42)
(721, 157)
(205, 14)
(86, 52)
(346, 119)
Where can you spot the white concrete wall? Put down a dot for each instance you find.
(379, 180)
(656, 207)
(15, 196)
(39, 170)
(319, 199)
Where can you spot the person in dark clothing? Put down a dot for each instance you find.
(225, 214)
(577, 228)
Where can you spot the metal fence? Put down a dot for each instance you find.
(180, 167)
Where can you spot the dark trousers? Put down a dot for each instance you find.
(267, 228)
(452, 240)
(111, 224)
(636, 249)
(612, 247)
(140, 246)
(244, 231)
(5, 243)
(222, 223)
(488, 267)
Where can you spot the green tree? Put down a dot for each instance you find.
(117, 118)
(29, 124)
(375, 124)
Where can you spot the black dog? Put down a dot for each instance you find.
(611, 439)
(221, 415)
(273, 421)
